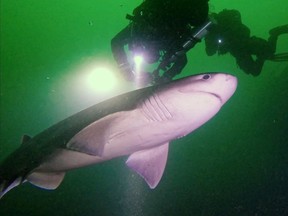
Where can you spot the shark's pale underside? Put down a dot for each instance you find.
(139, 124)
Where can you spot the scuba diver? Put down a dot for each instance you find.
(230, 35)
(162, 31)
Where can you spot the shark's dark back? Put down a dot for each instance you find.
(34, 150)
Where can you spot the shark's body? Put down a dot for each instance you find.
(140, 124)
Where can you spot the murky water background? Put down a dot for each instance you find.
(236, 164)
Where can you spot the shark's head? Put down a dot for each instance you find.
(198, 97)
(219, 85)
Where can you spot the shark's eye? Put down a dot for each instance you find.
(206, 77)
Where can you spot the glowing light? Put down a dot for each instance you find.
(101, 80)
(219, 41)
(138, 60)
(142, 78)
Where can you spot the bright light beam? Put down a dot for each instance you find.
(101, 80)
(138, 60)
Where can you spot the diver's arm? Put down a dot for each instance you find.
(185, 45)
(176, 68)
(118, 44)
(210, 45)
(249, 65)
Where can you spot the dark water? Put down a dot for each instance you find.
(236, 164)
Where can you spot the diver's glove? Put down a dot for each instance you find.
(165, 79)
(156, 79)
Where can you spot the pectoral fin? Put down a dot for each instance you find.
(48, 181)
(150, 164)
(91, 139)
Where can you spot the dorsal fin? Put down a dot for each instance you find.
(25, 139)
(150, 164)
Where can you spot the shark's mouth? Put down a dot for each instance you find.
(217, 96)
(214, 95)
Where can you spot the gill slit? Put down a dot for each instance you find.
(154, 109)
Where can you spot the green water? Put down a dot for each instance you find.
(236, 164)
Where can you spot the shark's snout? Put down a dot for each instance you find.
(231, 78)
(228, 77)
(224, 87)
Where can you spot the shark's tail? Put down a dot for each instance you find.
(6, 186)
(49, 181)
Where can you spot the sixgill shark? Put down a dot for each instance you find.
(139, 124)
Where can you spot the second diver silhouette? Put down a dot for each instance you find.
(230, 35)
